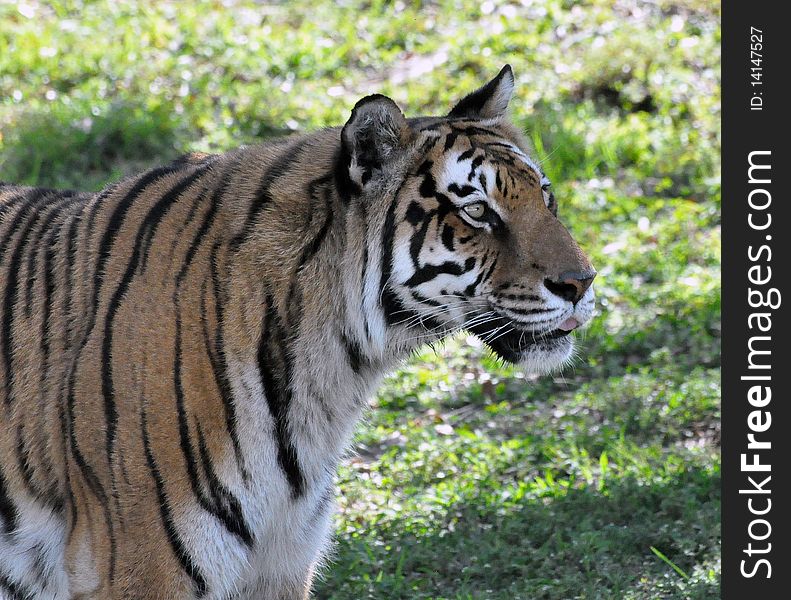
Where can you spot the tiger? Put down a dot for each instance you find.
(184, 355)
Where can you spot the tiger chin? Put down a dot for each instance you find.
(184, 355)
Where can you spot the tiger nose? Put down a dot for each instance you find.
(571, 285)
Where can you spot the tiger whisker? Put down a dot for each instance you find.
(440, 310)
(431, 333)
(492, 335)
(496, 337)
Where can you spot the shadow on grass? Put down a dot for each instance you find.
(70, 147)
(82, 147)
(588, 543)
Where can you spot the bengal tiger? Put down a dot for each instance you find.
(184, 355)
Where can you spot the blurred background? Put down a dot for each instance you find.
(472, 480)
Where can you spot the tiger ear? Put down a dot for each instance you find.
(375, 133)
(490, 101)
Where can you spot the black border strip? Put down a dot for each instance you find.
(747, 538)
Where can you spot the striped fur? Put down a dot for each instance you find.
(184, 355)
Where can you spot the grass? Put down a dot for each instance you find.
(472, 479)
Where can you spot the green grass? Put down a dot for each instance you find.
(472, 480)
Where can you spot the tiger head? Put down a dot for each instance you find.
(469, 228)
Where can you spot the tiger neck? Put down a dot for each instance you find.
(307, 338)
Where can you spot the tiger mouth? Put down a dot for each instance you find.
(513, 345)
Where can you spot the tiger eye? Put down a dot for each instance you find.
(476, 210)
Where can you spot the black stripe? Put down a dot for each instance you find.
(472, 130)
(354, 353)
(418, 239)
(53, 494)
(90, 476)
(12, 201)
(42, 571)
(552, 205)
(66, 476)
(263, 195)
(176, 543)
(364, 270)
(429, 272)
(447, 236)
(147, 238)
(8, 510)
(206, 224)
(50, 496)
(435, 126)
(191, 214)
(12, 292)
(153, 218)
(49, 292)
(47, 497)
(390, 304)
(68, 277)
(461, 191)
(428, 189)
(35, 247)
(274, 367)
(10, 295)
(310, 250)
(466, 154)
(184, 435)
(32, 201)
(470, 289)
(476, 162)
(482, 181)
(490, 270)
(93, 209)
(521, 297)
(425, 300)
(414, 213)
(449, 141)
(218, 360)
(226, 506)
(428, 145)
(510, 147)
(530, 311)
(119, 214)
(425, 167)
(17, 590)
(345, 186)
(228, 512)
